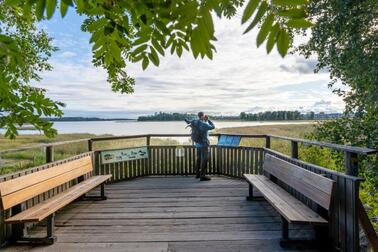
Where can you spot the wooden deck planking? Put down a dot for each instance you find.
(169, 214)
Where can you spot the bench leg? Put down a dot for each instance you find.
(96, 198)
(285, 229)
(50, 237)
(17, 229)
(250, 197)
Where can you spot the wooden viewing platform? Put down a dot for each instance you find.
(155, 204)
(171, 213)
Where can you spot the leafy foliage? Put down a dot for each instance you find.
(277, 20)
(20, 102)
(128, 32)
(348, 48)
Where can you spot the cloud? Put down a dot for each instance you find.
(67, 54)
(241, 77)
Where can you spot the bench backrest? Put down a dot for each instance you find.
(18, 190)
(314, 186)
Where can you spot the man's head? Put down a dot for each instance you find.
(200, 115)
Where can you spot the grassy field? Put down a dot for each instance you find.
(292, 130)
(23, 159)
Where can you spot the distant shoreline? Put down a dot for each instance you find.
(86, 119)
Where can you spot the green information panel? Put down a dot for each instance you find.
(112, 156)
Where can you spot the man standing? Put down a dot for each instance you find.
(200, 128)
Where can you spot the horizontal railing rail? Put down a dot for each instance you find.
(44, 145)
(339, 147)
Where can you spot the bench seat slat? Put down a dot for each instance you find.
(289, 207)
(17, 184)
(34, 190)
(41, 211)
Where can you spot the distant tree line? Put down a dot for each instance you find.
(276, 116)
(244, 116)
(80, 119)
(164, 116)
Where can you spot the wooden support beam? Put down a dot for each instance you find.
(90, 145)
(351, 163)
(49, 154)
(367, 226)
(294, 149)
(148, 140)
(267, 142)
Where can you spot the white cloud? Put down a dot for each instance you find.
(67, 54)
(241, 77)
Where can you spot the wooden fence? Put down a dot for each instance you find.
(233, 162)
(162, 161)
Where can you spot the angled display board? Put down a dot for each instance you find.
(229, 140)
(112, 156)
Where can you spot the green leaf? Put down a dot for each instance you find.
(153, 56)
(209, 53)
(158, 47)
(50, 8)
(116, 51)
(289, 2)
(299, 23)
(96, 25)
(179, 50)
(264, 30)
(272, 37)
(141, 40)
(249, 10)
(260, 13)
(208, 22)
(170, 41)
(139, 49)
(145, 63)
(173, 47)
(283, 42)
(40, 9)
(63, 8)
(293, 13)
(12, 2)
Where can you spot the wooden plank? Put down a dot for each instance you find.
(289, 207)
(367, 226)
(13, 185)
(46, 208)
(352, 226)
(312, 185)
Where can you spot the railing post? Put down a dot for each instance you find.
(148, 140)
(219, 157)
(351, 168)
(267, 142)
(351, 163)
(90, 145)
(148, 143)
(49, 154)
(294, 149)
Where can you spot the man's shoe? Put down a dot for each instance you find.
(205, 178)
(197, 176)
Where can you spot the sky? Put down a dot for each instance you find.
(241, 77)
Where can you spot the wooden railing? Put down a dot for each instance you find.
(233, 161)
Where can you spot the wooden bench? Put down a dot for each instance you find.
(18, 190)
(313, 186)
